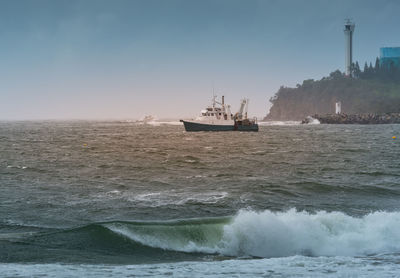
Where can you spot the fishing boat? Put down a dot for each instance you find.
(218, 117)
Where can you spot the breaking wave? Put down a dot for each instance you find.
(263, 234)
(270, 234)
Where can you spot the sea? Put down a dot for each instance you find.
(123, 199)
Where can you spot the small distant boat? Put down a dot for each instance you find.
(220, 118)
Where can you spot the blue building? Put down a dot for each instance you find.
(389, 56)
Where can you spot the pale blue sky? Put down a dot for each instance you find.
(115, 59)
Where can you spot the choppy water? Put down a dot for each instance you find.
(121, 199)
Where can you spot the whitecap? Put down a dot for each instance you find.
(279, 123)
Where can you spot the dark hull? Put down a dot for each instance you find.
(191, 126)
(253, 127)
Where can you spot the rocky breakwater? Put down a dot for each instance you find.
(389, 118)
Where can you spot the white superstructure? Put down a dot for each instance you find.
(216, 115)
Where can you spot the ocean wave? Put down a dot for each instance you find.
(167, 198)
(17, 167)
(314, 122)
(249, 234)
(289, 123)
(275, 234)
(160, 123)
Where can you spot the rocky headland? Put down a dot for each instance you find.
(370, 96)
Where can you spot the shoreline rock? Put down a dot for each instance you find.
(388, 118)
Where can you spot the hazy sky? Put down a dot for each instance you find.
(125, 58)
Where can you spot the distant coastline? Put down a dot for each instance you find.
(376, 90)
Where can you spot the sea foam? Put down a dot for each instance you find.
(296, 266)
(268, 234)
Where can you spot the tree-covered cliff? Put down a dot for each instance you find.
(376, 89)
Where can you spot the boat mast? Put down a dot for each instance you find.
(214, 96)
(214, 101)
(246, 108)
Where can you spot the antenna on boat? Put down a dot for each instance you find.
(213, 98)
(214, 101)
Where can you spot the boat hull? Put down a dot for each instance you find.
(253, 127)
(193, 126)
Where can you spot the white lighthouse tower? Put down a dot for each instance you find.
(348, 34)
(338, 107)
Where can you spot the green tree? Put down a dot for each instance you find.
(356, 70)
(336, 74)
(365, 72)
(377, 65)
